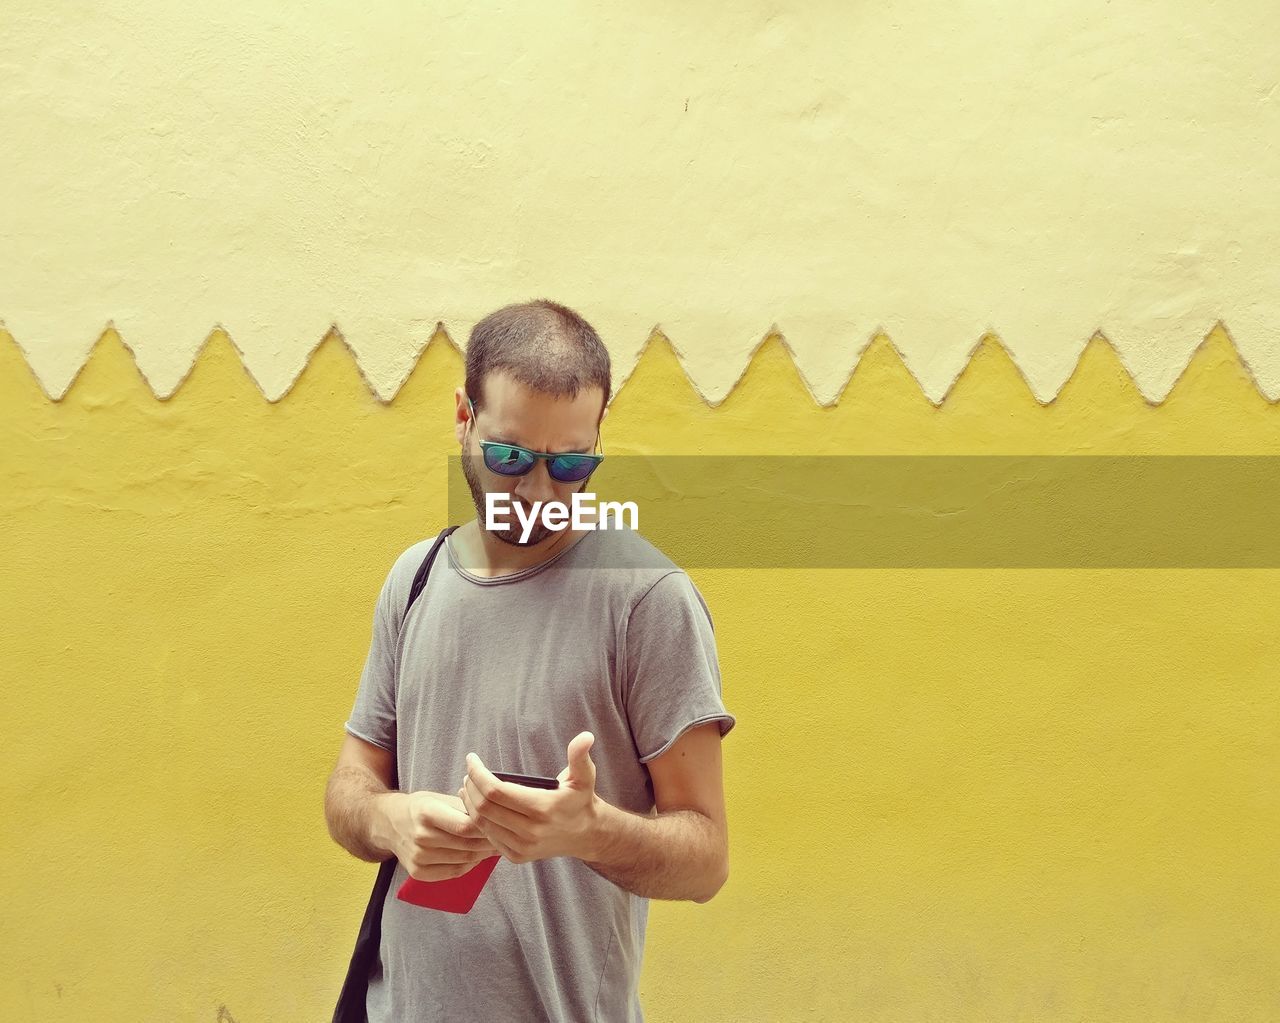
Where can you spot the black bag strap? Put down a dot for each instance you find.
(355, 989)
(420, 579)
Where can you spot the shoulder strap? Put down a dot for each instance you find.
(351, 1000)
(419, 582)
(420, 579)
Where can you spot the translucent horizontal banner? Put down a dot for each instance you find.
(935, 511)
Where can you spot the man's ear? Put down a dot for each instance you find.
(461, 414)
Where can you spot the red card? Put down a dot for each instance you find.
(452, 895)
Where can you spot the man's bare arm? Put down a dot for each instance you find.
(357, 808)
(679, 854)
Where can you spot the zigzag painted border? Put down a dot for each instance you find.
(657, 337)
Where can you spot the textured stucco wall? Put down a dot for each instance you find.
(963, 795)
(1042, 171)
(899, 229)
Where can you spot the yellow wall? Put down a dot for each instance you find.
(960, 795)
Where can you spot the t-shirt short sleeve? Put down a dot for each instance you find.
(671, 675)
(373, 716)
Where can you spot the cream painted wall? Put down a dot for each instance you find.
(935, 171)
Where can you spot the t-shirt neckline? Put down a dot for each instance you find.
(510, 577)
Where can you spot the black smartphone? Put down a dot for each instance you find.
(533, 780)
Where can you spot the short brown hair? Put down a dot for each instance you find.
(542, 344)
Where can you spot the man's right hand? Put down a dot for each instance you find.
(432, 835)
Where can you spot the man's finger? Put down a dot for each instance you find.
(502, 838)
(459, 830)
(496, 813)
(494, 790)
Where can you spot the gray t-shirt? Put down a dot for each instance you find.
(512, 668)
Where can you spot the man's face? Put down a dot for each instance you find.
(511, 413)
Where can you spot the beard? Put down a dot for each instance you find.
(512, 533)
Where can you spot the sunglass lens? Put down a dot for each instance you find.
(571, 468)
(507, 460)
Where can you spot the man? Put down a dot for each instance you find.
(585, 652)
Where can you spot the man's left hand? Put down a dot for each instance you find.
(525, 823)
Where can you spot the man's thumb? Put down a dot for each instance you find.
(580, 770)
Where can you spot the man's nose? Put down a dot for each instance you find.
(536, 484)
